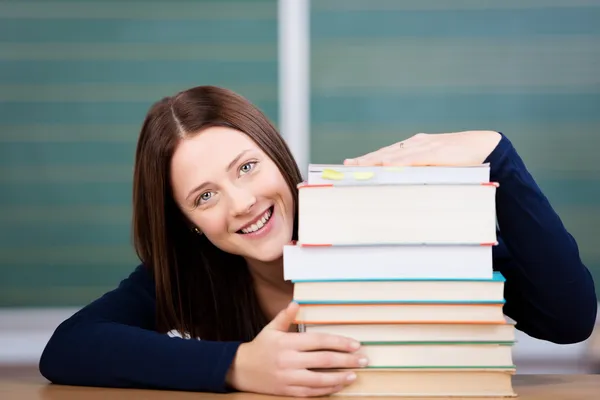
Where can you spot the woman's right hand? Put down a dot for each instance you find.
(279, 362)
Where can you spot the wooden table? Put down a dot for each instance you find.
(528, 387)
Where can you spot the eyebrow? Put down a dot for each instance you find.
(229, 166)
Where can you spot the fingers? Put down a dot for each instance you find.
(327, 360)
(321, 379)
(284, 319)
(303, 391)
(414, 153)
(322, 341)
(399, 156)
(399, 153)
(372, 158)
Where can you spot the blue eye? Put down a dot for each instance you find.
(204, 197)
(247, 167)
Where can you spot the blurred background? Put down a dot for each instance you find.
(338, 77)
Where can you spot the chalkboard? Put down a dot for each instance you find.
(382, 71)
(76, 79)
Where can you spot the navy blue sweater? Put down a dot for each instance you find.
(549, 293)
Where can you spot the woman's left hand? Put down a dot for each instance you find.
(459, 148)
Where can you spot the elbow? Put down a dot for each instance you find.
(577, 322)
(579, 313)
(52, 365)
(49, 364)
(584, 313)
(569, 320)
(579, 331)
(586, 321)
(570, 329)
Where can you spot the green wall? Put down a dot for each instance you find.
(76, 78)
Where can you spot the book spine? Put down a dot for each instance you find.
(306, 185)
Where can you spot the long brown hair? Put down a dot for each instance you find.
(201, 291)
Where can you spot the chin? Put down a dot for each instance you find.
(269, 256)
(265, 244)
(268, 251)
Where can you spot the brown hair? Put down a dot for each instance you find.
(201, 291)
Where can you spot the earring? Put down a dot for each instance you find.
(197, 231)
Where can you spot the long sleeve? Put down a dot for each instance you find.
(111, 343)
(549, 292)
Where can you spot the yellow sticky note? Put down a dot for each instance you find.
(363, 176)
(332, 175)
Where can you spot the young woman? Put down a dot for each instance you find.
(214, 202)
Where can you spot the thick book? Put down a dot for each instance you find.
(438, 355)
(325, 262)
(406, 290)
(445, 383)
(368, 175)
(401, 312)
(417, 332)
(397, 214)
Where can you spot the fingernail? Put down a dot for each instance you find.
(363, 362)
(355, 345)
(351, 377)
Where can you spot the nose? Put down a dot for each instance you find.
(242, 201)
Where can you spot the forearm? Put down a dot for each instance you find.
(95, 353)
(547, 270)
(112, 342)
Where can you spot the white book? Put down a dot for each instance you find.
(368, 175)
(397, 214)
(387, 262)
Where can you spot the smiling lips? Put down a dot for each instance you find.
(259, 223)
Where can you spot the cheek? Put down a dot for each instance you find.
(269, 184)
(277, 187)
(211, 223)
(286, 197)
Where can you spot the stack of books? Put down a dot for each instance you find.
(401, 260)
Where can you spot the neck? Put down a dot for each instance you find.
(269, 276)
(272, 291)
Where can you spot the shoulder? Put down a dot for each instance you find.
(141, 278)
(142, 273)
(500, 157)
(509, 170)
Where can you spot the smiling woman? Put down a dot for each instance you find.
(214, 203)
(222, 170)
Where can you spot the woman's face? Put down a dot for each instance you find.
(234, 193)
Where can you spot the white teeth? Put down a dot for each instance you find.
(259, 224)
